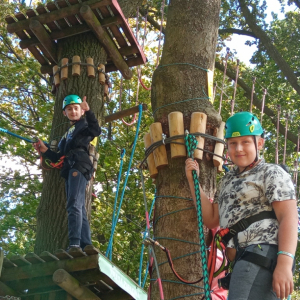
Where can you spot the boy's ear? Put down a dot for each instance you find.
(64, 113)
(260, 143)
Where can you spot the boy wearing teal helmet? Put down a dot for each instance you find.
(77, 167)
(263, 249)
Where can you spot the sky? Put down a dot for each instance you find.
(244, 52)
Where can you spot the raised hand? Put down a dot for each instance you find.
(84, 105)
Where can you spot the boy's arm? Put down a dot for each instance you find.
(210, 212)
(93, 124)
(287, 216)
(43, 149)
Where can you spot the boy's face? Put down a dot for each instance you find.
(242, 150)
(73, 112)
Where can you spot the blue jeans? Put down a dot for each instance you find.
(78, 225)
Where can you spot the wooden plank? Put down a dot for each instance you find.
(124, 113)
(90, 250)
(115, 7)
(19, 260)
(72, 286)
(47, 256)
(33, 258)
(42, 10)
(6, 290)
(74, 30)
(71, 18)
(56, 15)
(7, 264)
(70, 265)
(110, 67)
(114, 29)
(51, 6)
(41, 282)
(76, 252)
(40, 32)
(62, 254)
(105, 40)
(23, 36)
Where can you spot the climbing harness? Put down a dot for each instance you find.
(223, 236)
(191, 144)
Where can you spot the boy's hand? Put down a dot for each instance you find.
(84, 106)
(40, 147)
(191, 165)
(283, 284)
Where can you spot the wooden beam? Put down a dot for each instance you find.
(74, 30)
(103, 37)
(40, 32)
(124, 113)
(6, 290)
(71, 265)
(56, 15)
(71, 285)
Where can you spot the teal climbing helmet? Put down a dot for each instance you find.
(71, 99)
(242, 124)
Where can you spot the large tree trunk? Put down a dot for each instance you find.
(51, 214)
(190, 39)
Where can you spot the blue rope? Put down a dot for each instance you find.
(143, 247)
(109, 249)
(126, 179)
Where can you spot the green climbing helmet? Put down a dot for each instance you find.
(71, 99)
(242, 124)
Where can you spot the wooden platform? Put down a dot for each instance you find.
(40, 28)
(87, 275)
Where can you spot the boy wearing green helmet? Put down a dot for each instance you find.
(77, 168)
(256, 201)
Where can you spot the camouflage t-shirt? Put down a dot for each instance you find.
(241, 196)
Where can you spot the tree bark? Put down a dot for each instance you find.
(52, 231)
(179, 84)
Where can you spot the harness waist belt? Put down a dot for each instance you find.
(245, 223)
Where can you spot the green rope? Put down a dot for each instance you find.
(191, 144)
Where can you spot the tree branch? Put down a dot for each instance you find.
(237, 31)
(232, 74)
(151, 20)
(271, 49)
(15, 121)
(297, 2)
